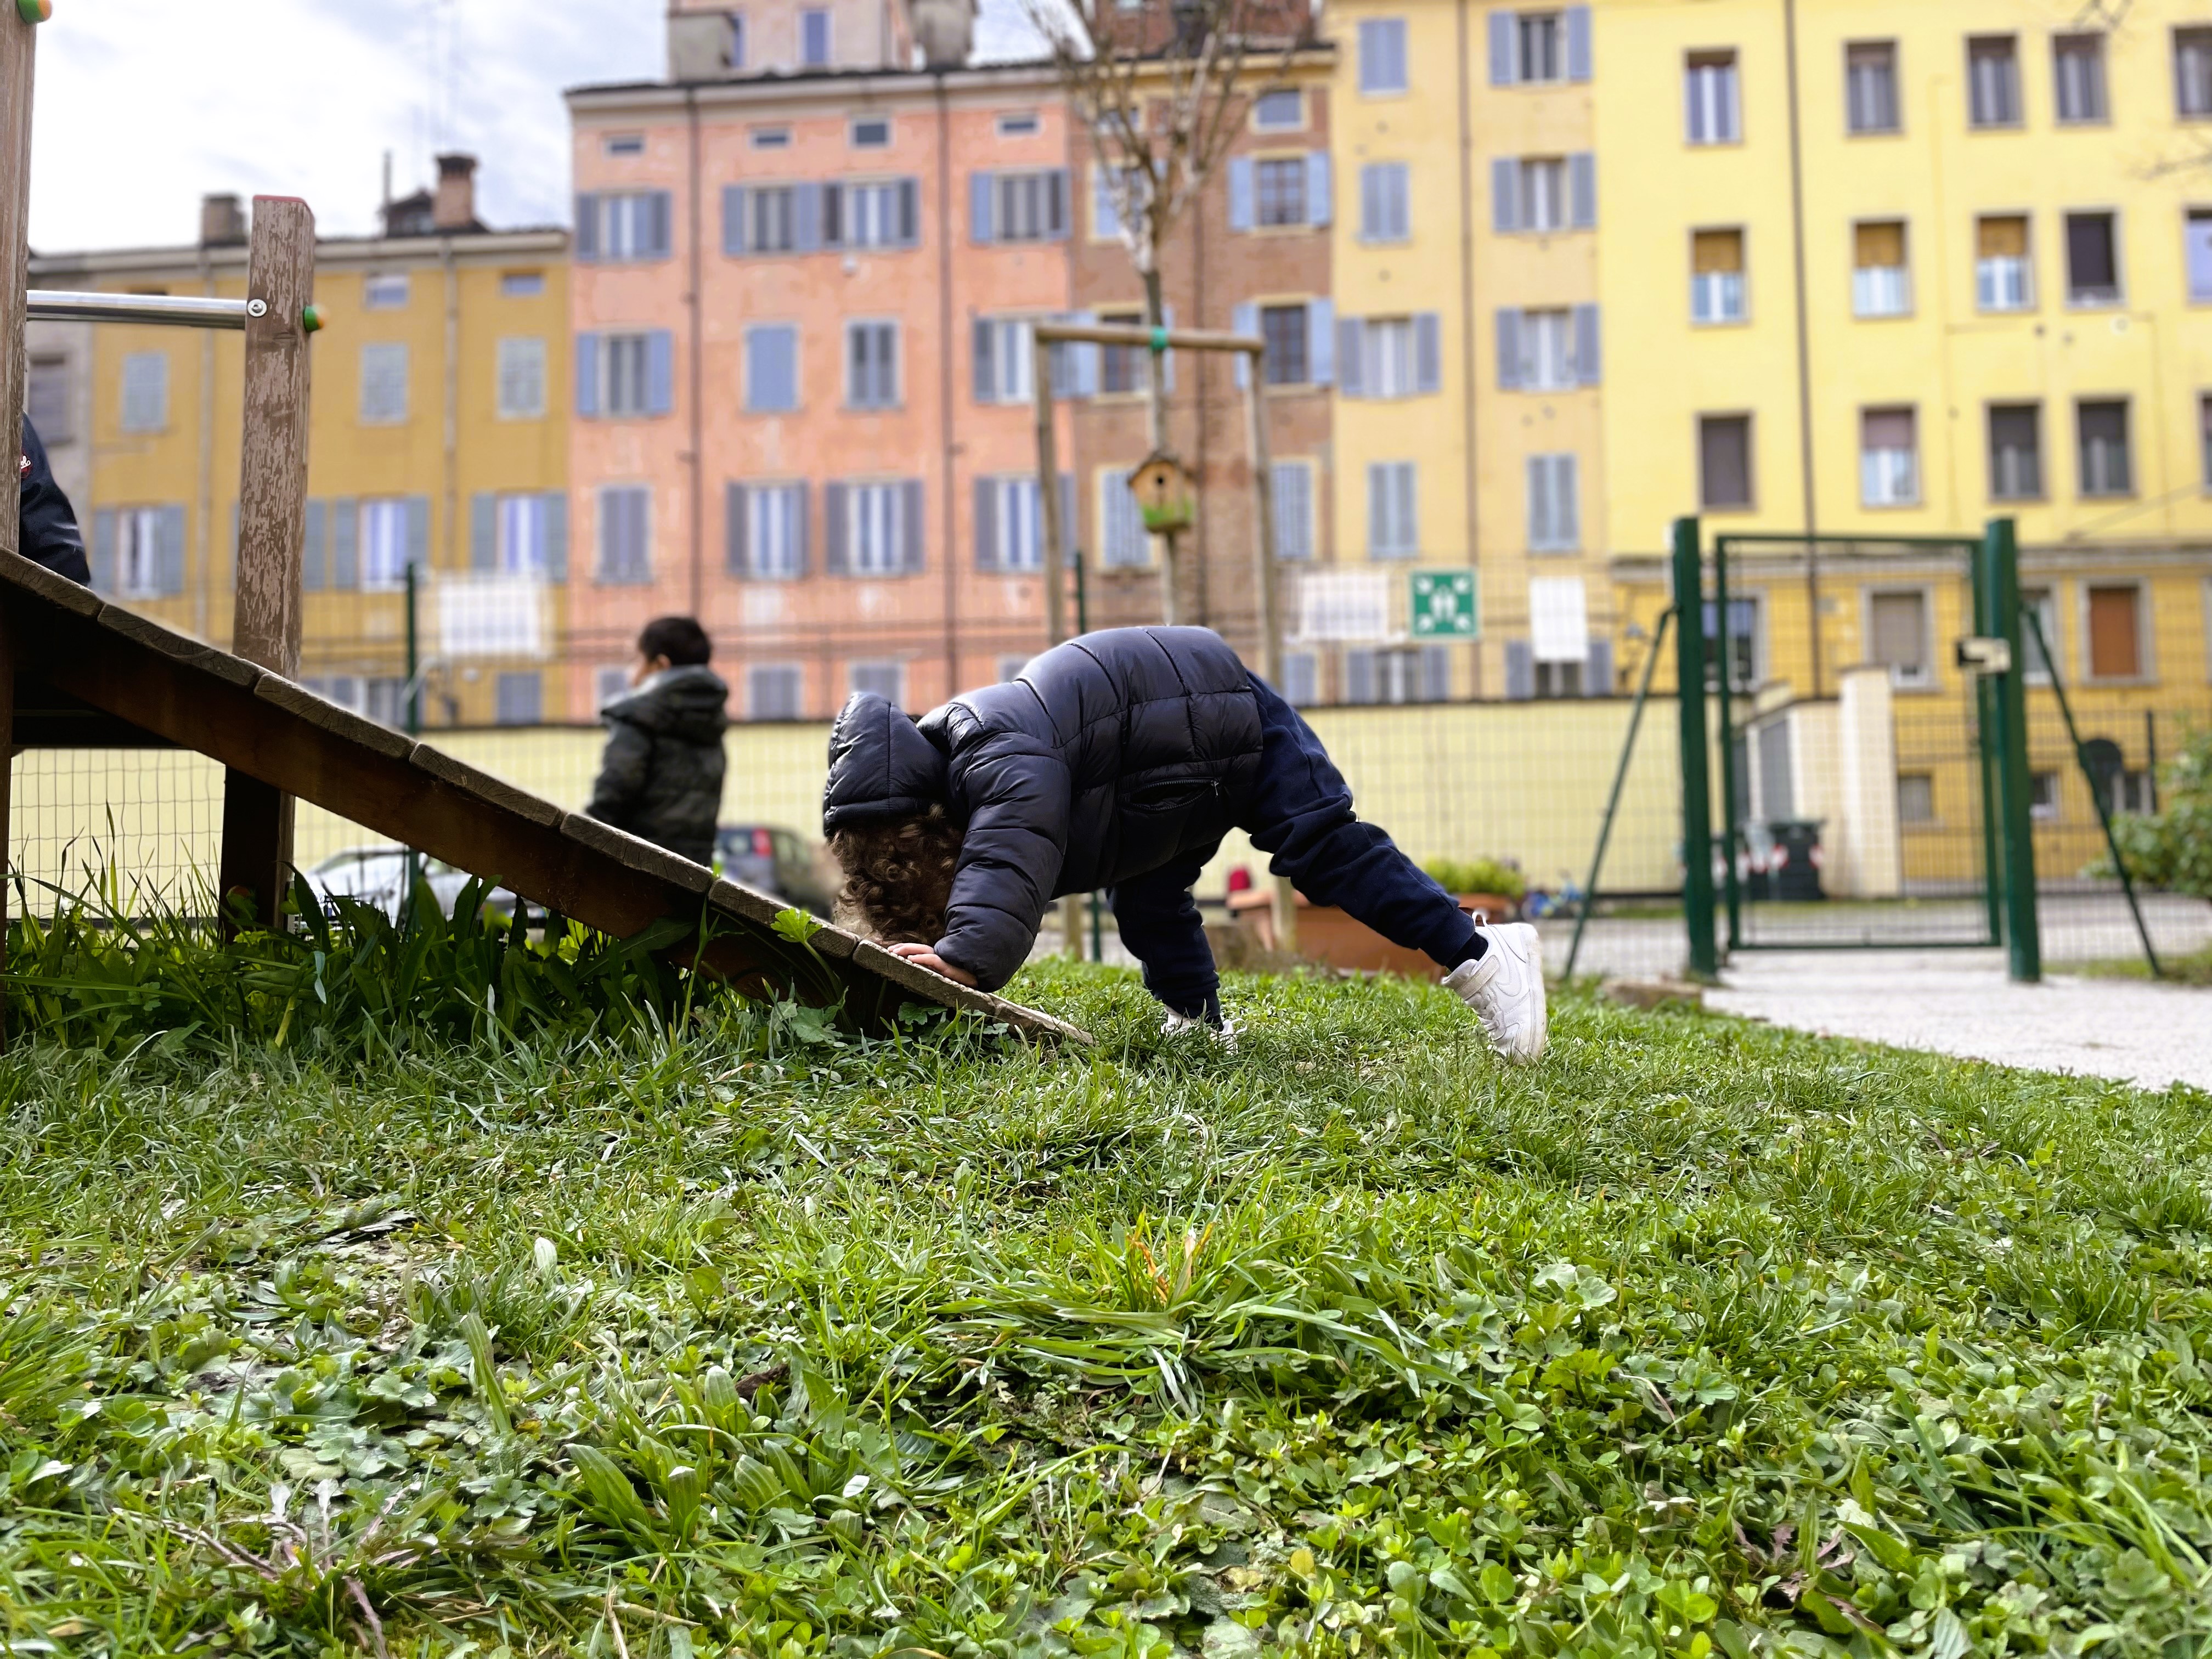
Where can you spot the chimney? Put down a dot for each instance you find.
(945, 29)
(222, 221)
(456, 206)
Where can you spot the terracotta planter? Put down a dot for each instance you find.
(1327, 935)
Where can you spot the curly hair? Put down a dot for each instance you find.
(898, 877)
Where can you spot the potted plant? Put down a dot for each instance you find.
(1492, 886)
(1327, 935)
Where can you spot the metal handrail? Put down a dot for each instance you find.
(174, 310)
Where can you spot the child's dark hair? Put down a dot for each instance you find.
(898, 877)
(679, 639)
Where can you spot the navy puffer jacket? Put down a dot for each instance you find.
(1109, 756)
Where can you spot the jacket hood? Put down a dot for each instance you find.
(880, 766)
(686, 702)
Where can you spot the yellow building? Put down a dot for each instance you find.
(438, 436)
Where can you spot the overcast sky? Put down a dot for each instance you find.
(145, 106)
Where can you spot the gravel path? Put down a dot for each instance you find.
(1960, 1002)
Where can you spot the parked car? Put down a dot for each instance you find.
(778, 862)
(377, 876)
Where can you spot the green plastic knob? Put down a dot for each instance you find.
(311, 320)
(35, 11)
(1159, 340)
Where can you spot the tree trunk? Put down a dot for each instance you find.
(1156, 410)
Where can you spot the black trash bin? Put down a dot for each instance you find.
(1793, 864)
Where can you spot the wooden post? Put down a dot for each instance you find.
(1055, 566)
(272, 519)
(18, 42)
(1263, 594)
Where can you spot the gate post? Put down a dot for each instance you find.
(1999, 578)
(1697, 786)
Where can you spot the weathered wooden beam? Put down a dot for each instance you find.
(17, 55)
(272, 519)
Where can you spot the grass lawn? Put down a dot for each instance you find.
(2192, 968)
(1702, 1338)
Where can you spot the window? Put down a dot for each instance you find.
(521, 530)
(1120, 369)
(886, 680)
(768, 531)
(2093, 263)
(766, 220)
(1387, 364)
(2002, 271)
(1121, 524)
(1392, 510)
(626, 375)
(871, 380)
(1280, 183)
(1020, 124)
(1915, 798)
(1881, 286)
(1301, 686)
(1009, 523)
(47, 401)
(1870, 87)
(1381, 55)
(519, 699)
(1421, 674)
(148, 540)
(2115, 626)
(771, 137)
(387, 293)
(1558, 633)
(1540, 46)
(1385, 207)
(1724, 461)
(876, 530)
(1287, 332)
(146, 391)
(623, 143)
(631, 225)
(1717, 276)
(1898, 636)
(733, 43)
(1291, 486)
(2133, 791)
(521, 284)
(878, 215)
(1021, 207)
(1554, 504)
(1889, 470)
(386, 541)
(1547, 351)
(2043, 796)
(625, 534)
(1279, 111)
(2079, 63)
(609, 684)
(2197, 233)
(2042, 604)
(2192, 73)
(2204, 435)
(2103, 427)
(772, 369)
(871, 133)
(1136, 186)
(1543, 194)
(1004, 353)
(772, 691)
(1742, 654)
(2016, 452)
(383, 383)
(1709, 95)
(1993, 80)
(521, 378)
(814, 38)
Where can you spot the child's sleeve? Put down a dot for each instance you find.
(623, 770)
(1017, 795)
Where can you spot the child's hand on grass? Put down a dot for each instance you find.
(923, 956)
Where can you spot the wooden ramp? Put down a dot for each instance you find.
(85, 673)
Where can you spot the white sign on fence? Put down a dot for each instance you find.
(1349, 607)
(491, 616)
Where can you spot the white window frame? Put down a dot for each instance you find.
(888, 397)
(1297, 121)
(2047, 608)
(520, 534)
(1389, 347)
(1922, 679)
(1013, 355)
(875, 529)
(1717, 299)
(1713, 99)
(626, 226)
(1130, 546)
(1542, 185)
(599, 571)
(1551, 370)
(2002, 277)
(2128, 432)
(2014, 90)
(1885, 481)
(1400, 540)
(1281, 475)
(878, 666)
(2042, 490)
(2102, 115)
(521, 377)
(869, 214)
(1553, 510)
(1017, 524)
(774, 514)
(382, 543)
(1527, 25)
(1852, 89)
(386, 290)
(138, 553)
(1380, 87)
(2198, 47)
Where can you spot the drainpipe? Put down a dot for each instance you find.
(1465, 317)
(206, 502)
(698, 370)
(944, 314)
(1198, 368)
(1804, 354)
(452, 402)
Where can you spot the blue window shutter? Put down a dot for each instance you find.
(659, 207)
(1104, 221)
(986, 383)
(737, 560)
(483, 530)
(1597, 670)
(1086, 359)
(1578, 43)
(1240, 192)
(1371, 202)
(986, 523)
(833, 529)
(103, 550)
(660, 372)
(418, 532)
(835, 212)
(1321, 341)
(1520, 671)
(588, 227)
(169, 550)
(554, 528)
(1509, 349)
(1428, 352)
(1581, 172)
(345, 543)
(1359, 676)
(1436, 673)
(909, 198)
(1503, 69)
(587, 375)
(910, 523)
(1588, 358)
(979, 206)
(1504, 196)
(735, 199)
(1319, 188)
(802, 509)
(314, 557)
(1350, 335)
(1056, 204)
(806, 218)
(1245, 319)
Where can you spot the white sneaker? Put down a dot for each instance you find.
(1176, 1025)
(1505, 988)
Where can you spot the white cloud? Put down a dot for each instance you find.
(145, 106)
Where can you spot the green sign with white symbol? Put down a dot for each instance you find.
(1443, 605)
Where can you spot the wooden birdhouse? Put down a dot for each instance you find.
(1165, 492)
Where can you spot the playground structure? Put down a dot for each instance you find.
(79, 672)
